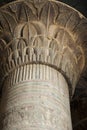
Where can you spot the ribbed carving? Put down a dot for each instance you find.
(45, 32)
(30, 73)
(38, 101)
(42, 48)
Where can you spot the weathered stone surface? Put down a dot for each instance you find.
(37, 100)
(44, 32)
(42, 52)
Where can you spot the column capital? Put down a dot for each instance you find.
(43, 32)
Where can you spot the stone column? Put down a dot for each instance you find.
(42, 54)
(35, 97)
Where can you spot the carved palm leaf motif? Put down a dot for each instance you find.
(45, 32)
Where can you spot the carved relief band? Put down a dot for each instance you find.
(42, 54)
(34, 100)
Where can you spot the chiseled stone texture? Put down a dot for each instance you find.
(36, 100)
(42, 31)
(42, 52)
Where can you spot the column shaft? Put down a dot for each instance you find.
(35, 97)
